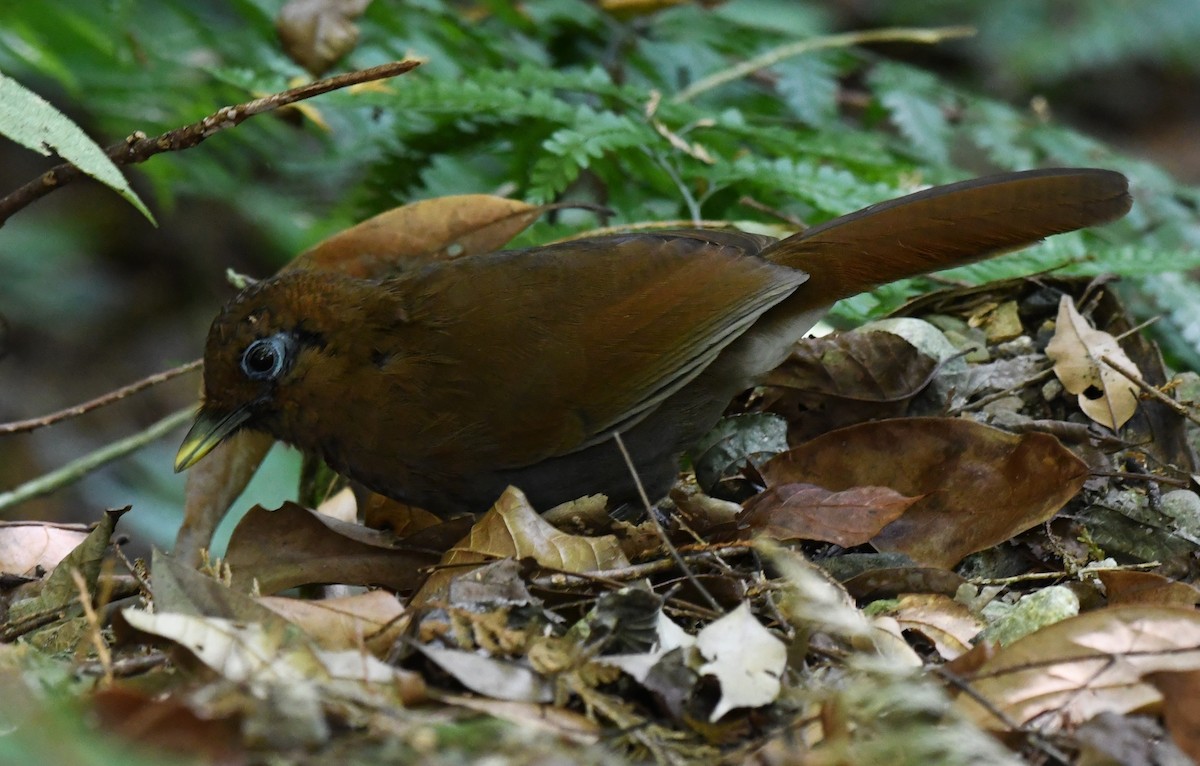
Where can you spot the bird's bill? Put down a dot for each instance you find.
(210, 429)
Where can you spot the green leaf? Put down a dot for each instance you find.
(32, 122)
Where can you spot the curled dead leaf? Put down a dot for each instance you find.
(808, 512)
(1076, 669)
(1078, 349)
(977, 485)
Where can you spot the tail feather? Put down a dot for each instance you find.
(947, 226)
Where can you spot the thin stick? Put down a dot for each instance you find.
(658, 527)
(1177, 407)
(77, 469)
(21, 426)
(1041, 576)
(138, 148)
(103, 655)
(775, 55)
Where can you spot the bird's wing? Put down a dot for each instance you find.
(577, 340)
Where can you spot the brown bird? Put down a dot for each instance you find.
(448, 382)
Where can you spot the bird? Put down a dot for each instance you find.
(443, 384)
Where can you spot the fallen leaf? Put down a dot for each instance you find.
(58, 590)
(845, 378)
(1112, 740)
(1126, 587)
(213, 485)
(513, 529)
(807, 512)
(368, 620)
(947, 624)
(746, 659)
(734, 442)
(1180, 690)
(295, 546)
(262, 658)
(889, 582)
(316, 33)
(1105, 395)
(496, 678)
(439, 229)
(27, 546)
(977, 486)
(563, 722)
(167, 724)
(1076, 669)
(179, 588)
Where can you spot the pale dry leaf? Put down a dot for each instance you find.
(638, 665)
(342, 506)
(888, 643)
(813, 600)
(1105, 395)
(941, 619)
(560, 721)
(268, 659)
(26, 546)
(746, 658)
(496, 678)
(370, 619)
(1081, 667)
(513, 529)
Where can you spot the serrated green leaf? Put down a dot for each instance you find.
(32, 122)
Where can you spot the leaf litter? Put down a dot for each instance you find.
(915, 535)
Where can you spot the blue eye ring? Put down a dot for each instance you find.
(267, 358)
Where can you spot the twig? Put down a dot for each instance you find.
(984, 401)
(658, 527)
(1035, 738)
(20, 426)
(775, 55)
(1036, 576)
(103, 655)
(77, 469)
(1176, 407)
(138, 148)
(127, 666)
(614, 577)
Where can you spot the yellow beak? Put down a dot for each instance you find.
(210, 429)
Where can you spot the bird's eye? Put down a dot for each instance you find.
(266, 358)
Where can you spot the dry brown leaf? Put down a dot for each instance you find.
(213, 485)
(513, 529)
(837, 380)
(978, 486)
(370, 620)
(401, 519)
(1070, 671)
(1105, 395)
(316, 33)
(439, 229)
(26, 546)
(807, 512)
(1126, 587)
(1180, 690)
(168, 725)
(949, 625)
(889, 582)
(295, 546)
